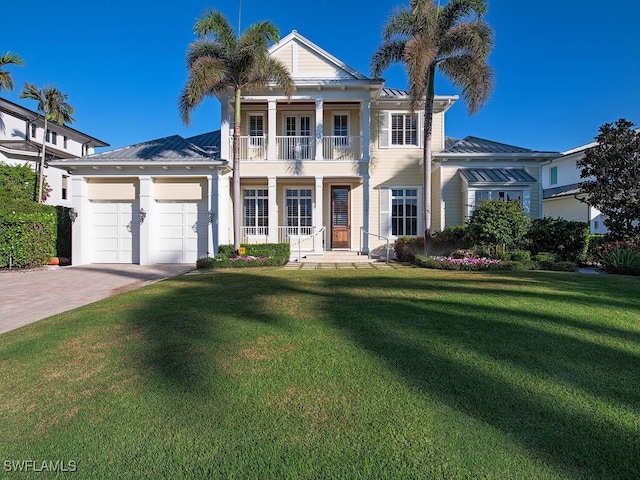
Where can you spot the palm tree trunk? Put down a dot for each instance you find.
(236, 174)
(426, 157)
(41, 179)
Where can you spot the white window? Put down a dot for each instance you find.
(256, 211)
(404, 212)
(502, 195)
(65, 187)
(399, 129)
(299, 211)
(256, 130)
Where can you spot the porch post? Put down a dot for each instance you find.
(319, 215)
(224, 208)
(365, 213)
(224, 132)
(81, 229)
(273, 210)
(212, 198)
(147, 248)
(365, 132)
(319, 128)
(271, 131)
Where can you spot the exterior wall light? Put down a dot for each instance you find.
(211, 217)
(143, 215)
(73, 214)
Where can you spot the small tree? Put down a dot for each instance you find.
(6, 80)
(611, 171)
(498, 224)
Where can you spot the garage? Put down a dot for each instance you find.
(115, 232)
(182, 231)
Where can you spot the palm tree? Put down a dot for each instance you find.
(6, 81)
(53, 106)
(453, 39)
(221, 60)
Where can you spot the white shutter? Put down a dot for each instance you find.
(419, 132)
(383, 129)
(385, 212)
(526, 201)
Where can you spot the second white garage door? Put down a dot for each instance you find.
(182, 231)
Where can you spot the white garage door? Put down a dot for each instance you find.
(115, 234)
(182, 231)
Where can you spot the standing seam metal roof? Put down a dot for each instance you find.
(497, 175)
(480, 145)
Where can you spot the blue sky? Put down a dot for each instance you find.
(563, 68)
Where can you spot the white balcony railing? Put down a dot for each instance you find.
(342, 148)
(295, 148)
(347, 148)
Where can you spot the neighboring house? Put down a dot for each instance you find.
(21, 133)
(562, 195)
(338, 166)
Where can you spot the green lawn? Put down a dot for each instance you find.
(267, 373)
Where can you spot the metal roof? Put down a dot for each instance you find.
(167, 149)
(480, 145)
(209, 142)
(562, 191)
(496, 175)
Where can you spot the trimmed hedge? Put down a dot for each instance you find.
(258, 255)
(27, 239)
(568, 239)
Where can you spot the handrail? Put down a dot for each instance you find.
(362, 231)
(301, 239)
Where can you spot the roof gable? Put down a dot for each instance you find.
(306, 60)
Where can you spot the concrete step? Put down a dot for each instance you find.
(335, 256)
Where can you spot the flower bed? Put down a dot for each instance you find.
(468, 263)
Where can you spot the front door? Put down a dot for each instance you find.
(340, 218)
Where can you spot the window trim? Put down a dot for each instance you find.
(385, 132)
(255, 198)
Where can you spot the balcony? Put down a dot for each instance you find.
(301, 148)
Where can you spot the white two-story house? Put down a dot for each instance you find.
(562, 195)
(21, 135)
(338, 166)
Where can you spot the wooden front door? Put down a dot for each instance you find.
(340, 217)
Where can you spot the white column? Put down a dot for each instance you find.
(365, 132)
(319, 215)
(147, 247)
(365, 213)
(212, 206)
(273, 210)
(225, 142)
(319, 128)
(224, 210)
(81, 229)
(271, 131)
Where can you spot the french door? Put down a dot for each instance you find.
(340, 217)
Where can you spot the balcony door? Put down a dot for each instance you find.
(340, 218)
(298, 137)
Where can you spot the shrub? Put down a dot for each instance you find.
(497, 224)
(545, 260)
(258, 255)
(566, 238)
(594, 244)
(523, 256)
(621, 257)
(406, 248)
(27, 239)
(516, 266)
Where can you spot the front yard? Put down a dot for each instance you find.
(267, 373)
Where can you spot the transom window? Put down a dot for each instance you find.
(404, 211)
(256, 211)
(299, 206)
(502, 195)
(404, 129)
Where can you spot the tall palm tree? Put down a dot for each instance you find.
(53, 106)
(221, 60)
(453, 39)
(6, 81)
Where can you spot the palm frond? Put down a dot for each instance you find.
(399, 24)
(457, 10)
(475, 38)
(386, 55)
(205, 48)
(6, 79)
(473, 76)
(216, 27)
